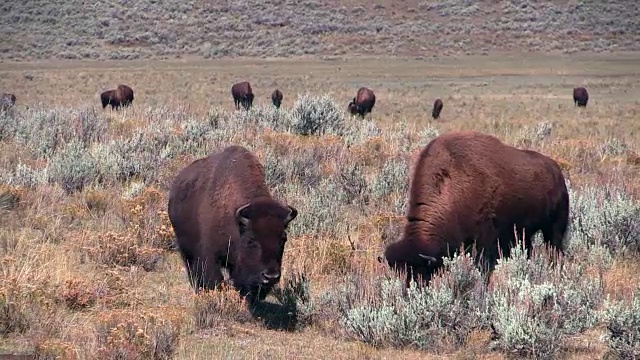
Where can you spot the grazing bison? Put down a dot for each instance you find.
(242, 94)
(580, 96)
(7, 101)
(121, 96)
(437, 108)
(224, 217)
(276, 98)
(467, 185)
(363, 103)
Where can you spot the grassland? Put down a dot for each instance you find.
(87, 266)
(119, 29)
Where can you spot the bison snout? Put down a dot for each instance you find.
(270, 278)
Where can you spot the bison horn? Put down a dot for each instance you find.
(380, 259)
(430, 259)
(241, 218)
(292, 214)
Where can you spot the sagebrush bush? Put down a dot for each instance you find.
(535, 304)
(317, 115)
(385, 314)
(607, 216)
(72, 167)
(623, 326)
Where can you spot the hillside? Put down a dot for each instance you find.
(120, 29)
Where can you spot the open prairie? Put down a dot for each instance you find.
(88, 266)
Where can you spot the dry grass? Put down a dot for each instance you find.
(93, 275)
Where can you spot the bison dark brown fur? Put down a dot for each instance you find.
(468, 185)
(7, 101)
(224, 217)
(121, 96)
(363, 103)
(276, 98)
(242, 94)
(437, 108)
(580, 96)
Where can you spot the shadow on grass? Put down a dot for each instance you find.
(275, 316)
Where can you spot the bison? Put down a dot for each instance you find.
(121, 96)
(363, 103)
(276, 98)
(242, 94)
(7, 101)
(580, 96)
(224, 217)
(437, 108)
(470, 186)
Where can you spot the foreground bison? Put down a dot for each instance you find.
(7, 101)
(437, 108)
(276, 98)
(580, 96)
(121, 96)
(468, 185)
(242, 94)
(363, 103)
(224, 217)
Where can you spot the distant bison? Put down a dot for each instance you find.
(363, 103)
(242, 94)
(437, 108)
(467, 185)
(7, 101)
(276, 98)
(224, 217)
(580, 96)
(121, 96)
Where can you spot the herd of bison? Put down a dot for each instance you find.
(467, 188)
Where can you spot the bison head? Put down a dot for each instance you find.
(353, 108)
(404, 258)
(257, 262)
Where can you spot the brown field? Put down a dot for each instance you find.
(48, 241)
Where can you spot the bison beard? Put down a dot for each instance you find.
(467, 185)
(224, 217)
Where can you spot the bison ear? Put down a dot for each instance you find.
(292, 214)
(430, 259)
(241, 217)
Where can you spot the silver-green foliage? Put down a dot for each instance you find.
(535, 304)
(419, 317)
(317, 115)
(606, 216)
(623, 326)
